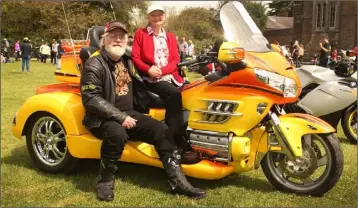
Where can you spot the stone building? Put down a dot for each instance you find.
(336, 19)
(279, 29)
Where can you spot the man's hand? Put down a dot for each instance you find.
(155, 72)
(129, 122)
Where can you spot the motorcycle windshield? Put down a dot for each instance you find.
(240, 28)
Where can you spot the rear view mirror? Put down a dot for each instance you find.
(230, 52)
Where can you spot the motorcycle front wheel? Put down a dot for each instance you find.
(349, 124)
(315, 173)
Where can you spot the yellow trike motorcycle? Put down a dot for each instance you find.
(233, 118)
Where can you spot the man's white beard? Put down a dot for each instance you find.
(115, 51)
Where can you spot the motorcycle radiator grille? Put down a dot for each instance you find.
(218, 111)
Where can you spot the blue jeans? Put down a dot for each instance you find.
(25, 61)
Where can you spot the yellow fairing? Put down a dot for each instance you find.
(157, 114)
(245, 115)
(67, 107)
(69, 72)
(87, 146)
(294, 126)
(248, 151)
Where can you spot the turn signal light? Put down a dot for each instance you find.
(239, 53)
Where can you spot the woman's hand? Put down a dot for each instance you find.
(155, 72)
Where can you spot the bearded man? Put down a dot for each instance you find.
(111, 89)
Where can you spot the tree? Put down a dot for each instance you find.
(43, 20)
(281, 8)
(197, 24)
(256, 10)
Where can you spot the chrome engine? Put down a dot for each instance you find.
(211, 143)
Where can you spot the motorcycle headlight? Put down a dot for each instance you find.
(286, 85)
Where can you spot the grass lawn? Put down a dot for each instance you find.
(136, 185)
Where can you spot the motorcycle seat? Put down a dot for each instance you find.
(155, 101)
(94, 36)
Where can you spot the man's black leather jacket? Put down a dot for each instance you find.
(97, 87)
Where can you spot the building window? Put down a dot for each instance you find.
(321, 15)
(324, 14)
(332, 17)
(318, 17)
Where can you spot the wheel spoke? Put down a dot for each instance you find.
(322, 161)
(41, 137)
(59, 139)
(308, 139)
(47, 151)
(59, 133)
(49, 126)
(307, 181)
(57, 151)
(281, 167)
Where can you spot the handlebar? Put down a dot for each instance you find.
(190, 62)
(203, 59)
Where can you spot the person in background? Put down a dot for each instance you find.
(17, 50)
(301, 52)
(59, 54)
(54, 47)
(2, 58)
(183, 47)
(190, 48)
(26, 51)
(155, 55)
(130, 40)
(295, 51)
(325, 49)
(41, 53)
(7, 50)
(334, 55)
(45, 50)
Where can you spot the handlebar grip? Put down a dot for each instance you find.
(185, 63)
(222, 65)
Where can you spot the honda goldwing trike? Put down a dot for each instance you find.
(233, 118)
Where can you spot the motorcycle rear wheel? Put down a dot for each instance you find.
(321, 154)
(349, 125)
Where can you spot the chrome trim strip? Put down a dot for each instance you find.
(210, 144)
(207, 132)
(223, 101)
(231, 136)
(218, 113)
(221, 159)
(213, 122)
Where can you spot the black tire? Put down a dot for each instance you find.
(331, 178)
(67, 163)
(346, 126)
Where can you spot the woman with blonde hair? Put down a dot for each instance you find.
(155, 55)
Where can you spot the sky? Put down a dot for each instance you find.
(179, 5)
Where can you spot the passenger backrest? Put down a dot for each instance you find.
(94, 37)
